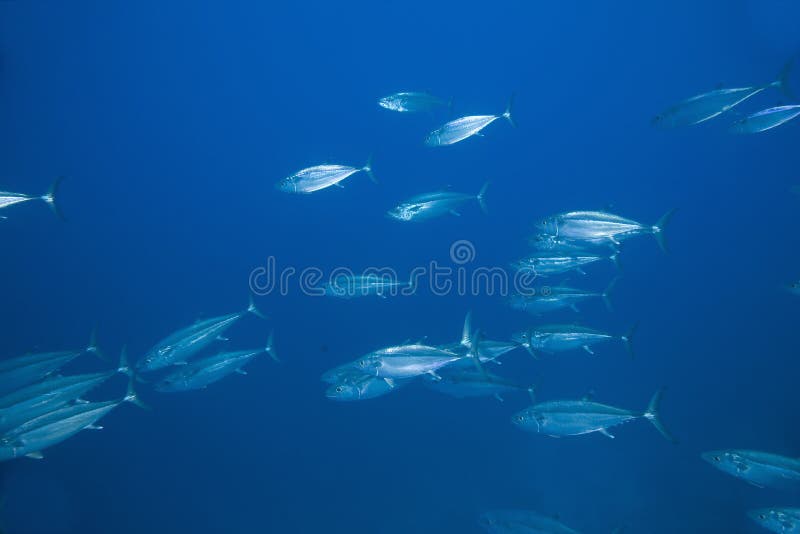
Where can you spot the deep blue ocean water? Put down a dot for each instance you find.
(172, 122)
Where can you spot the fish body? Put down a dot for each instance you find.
(406, 361)
(8, 199)
(781, 520)
(562, 338)
(463, 383)
(357, 387)
(431, 205)
(185, 343)
(706, 106)
(594, 226)
(548, 264)
(466, 127)
(553, 298)
(16, 373)
(764, 120)
(320, 177)
(522, 522)
(412, 102)
(756, 467)
(578, 417)
(347, 287)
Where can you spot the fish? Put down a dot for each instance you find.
(556, 244)
(342, 373)
(186, 342)
(462, 383)
(561, 338)
(201, 373)
(465, 127)
(321, 177)
(431, 205)
(578, 417)
(550, 263)
(406, 361)
(551, 298)
(485, 350)
(781, 520)
(706, 106)
(413, 102)
(592, 226)
(8, 199)
(522, 522)
(16, 373)
(52, 428)
(766, 119)
(761, 469)
(357, 387)
(351, 286)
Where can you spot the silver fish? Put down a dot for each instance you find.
(598, 225)
(406, 361)
(465, 127)
(432, 205)
(764, 120)
(359, 387)
(9, 199)
(321, 177)
(472, 345)
(549, 263)
(351, 286)
(552, 298)
(578, 417)
(413, 102)
(708, 105)
(462, 383)
(522, 522)
(561, 338)
(781, 520)
(758, 468)
(201, 373)
(185, 343)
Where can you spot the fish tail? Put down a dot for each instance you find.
(482, 198)
(532, 393)
(130, 394)
(466, 331)
(50, 197)
(367, 168)
(508, 113)
(124, 366)
(270, 348)
(660, 227)
(782, 82)
(474, 352)
(627, 339)
(607, 293)
(652, 415)
(251, 308)
(615, 259)
(92, 346)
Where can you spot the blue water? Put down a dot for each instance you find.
(173, 121)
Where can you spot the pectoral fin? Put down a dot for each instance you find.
(37, 455)
(606, 433)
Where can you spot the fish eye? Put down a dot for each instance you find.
(717, 459)
(762, 516)
(339, 389)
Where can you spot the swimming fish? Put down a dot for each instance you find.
(431, 205)
(351, 286)
(578, 417)
(356, 387)
(465, 127)
(561, 338)
(708, 105)
(201, 373)
(321, 177)
(406, 361)
(766, 119)
(413, 102)
(598, 225)
(550, 263)
(186, 342)
(9, 199)
(522, 522)
(551, 298)
(463, 383)
(781, 520)
(756, 467)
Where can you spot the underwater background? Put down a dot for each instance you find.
(172, 122)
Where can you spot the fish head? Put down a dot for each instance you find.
(774, 520)
(793, 288)
(403, 212)
(528, 419)
(727, 461)
(287, 185)
(147, 362)
(369, 365)
(390, 103)
(549, 228)
(343, 392)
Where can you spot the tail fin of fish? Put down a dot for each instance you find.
(782, 82)
(482, 198)
(270, 348)
(507, 114)
(130, 394)
(92, 347)
(124, 365)
(614, 257)
(660, 227)
(474, 353)
(652, 415)
(466, 332)
(627, 339)
(529, 346)
(50, 197)
(251, 308)
(607, 293)
(367, 168)
(532, 393)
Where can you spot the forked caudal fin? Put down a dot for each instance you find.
(627, 339)
(652, 415)
(607, 293)
(508, 113)
(251, 308)
(466, 332)
(367, 168)
(50, 197)
(482, 198)
(130, 394)
(270, 348)
(92, 347)
(782, 82)
(660, 227)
